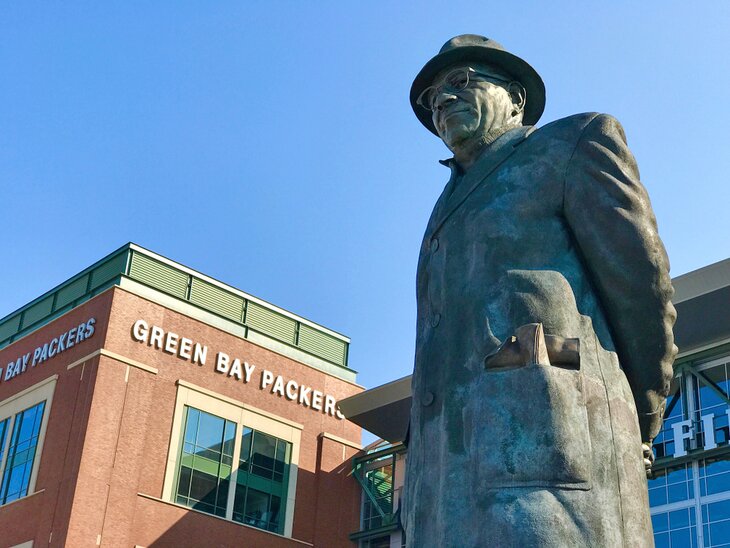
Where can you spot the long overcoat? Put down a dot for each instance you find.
(549, 226)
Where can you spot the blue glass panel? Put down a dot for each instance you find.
(719, 510)
(720, 532)
(202, 478)
(677, 410)
(708, 399)
(3, 431)
(679, 518)
(677, 492)
(657, 497)
(21, 453)
(210, 432)
(661, 540)
(714, 467)
(660, 522)
(657, 482)
(191, 424)
(678, 475)
(718, 484)
(680, 537)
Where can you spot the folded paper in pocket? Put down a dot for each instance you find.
(529, 345)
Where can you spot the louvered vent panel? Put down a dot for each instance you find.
(322, 345)
(216, 300)
(38, 311)
(71, 292)
(108, 270)
(9, 327)
(270, 323)
(159, 275)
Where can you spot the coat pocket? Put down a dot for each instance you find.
(534, 431)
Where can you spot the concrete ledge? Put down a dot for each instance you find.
(188, 509)
(343, 441)
(116, 357)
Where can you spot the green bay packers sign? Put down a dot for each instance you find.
(234, 368)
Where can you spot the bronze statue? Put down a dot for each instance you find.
(544, 334)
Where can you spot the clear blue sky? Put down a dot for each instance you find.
(271, 144)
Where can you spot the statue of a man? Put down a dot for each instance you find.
(544, 335)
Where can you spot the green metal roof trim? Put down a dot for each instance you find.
(185, 284)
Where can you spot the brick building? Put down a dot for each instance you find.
(145, 404)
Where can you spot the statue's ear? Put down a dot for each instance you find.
(518, 94)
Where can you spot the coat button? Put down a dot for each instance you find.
(427, 399)
(435, 319)
(434, 245)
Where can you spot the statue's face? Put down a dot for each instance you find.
(483, 106)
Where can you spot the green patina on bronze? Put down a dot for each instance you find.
(544, 331)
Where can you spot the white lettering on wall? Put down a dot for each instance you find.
(685, 433)
(48, 350)
(683, 430)
(232, 368)
(169, 342)
(305, 396)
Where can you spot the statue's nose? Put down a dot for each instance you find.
(443, 99)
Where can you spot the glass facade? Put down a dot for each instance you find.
(210, 463)
(19, 437)
(690, 492)
(378, 509)
(380, 473)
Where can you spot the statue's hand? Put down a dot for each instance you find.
(648, 458)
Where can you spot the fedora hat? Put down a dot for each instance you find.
(472, 48)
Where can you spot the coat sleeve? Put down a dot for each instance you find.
(611, 219)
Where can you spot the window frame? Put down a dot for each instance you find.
(243, 415)
(10, 407)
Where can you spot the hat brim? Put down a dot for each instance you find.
(513, 65)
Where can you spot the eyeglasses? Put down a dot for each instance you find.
(454, 82)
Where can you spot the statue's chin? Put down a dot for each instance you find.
(455, 137)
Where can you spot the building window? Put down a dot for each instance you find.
(206, 462)
(263, 472)
(377, 508)
(232, 460)
(23, 420)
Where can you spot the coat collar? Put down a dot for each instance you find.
(460, 186)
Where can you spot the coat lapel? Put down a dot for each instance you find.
(455, 195)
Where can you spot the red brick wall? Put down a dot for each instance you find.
(123, 450)
(45, 516)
